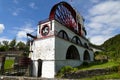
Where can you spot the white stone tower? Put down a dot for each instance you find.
(60, 41)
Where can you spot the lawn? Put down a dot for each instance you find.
(8, 64)
(104, 77)
(96, 65)
(99, 65)
(89, 66)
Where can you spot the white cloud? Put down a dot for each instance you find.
(99, 39)
(15, 1)
(2, 27)
(105, 8)
(33, 5)
(17, 11)
(94, 1)
(4, 39)
(93, 25)
(21, 34)
(104, 21)
(27, 28)
(9, 40)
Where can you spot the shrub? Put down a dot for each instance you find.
(119, 69)
(114, 69)
(64, 70)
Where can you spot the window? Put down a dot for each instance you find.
(63, 35)
(76, 40)
(72, 53)
(86, 46)
(86, 56)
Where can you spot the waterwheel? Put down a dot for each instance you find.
(65, 14)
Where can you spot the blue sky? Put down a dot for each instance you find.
(17, 17)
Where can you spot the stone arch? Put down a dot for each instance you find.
(63, 34)
(76, 40)
(86, 56)
(72, 53)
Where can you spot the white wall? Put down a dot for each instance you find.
(71, 34)
(91, 55)
(44, 49)
(61, 47)
(52, 51)
(35, 68)
(61, 63)
(48, 69)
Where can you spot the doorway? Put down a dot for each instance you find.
(39, 67)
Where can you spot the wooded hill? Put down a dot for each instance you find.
(112, 44)
(111, 47)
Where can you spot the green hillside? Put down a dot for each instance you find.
(112, 47)
(112, 44)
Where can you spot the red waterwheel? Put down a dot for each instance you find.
(65, 14)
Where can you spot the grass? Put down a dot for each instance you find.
(104, 77)
(9, 64)
(96, 65)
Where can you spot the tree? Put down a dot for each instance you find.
(12, 44)
(21, 45)
(4, 46)
(5, 43)
(0, 44)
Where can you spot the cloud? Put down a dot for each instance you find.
(17, 11)
(15, 1)
(21, 34)
(99, 39)
(26, 28)
(4, 39)
(2, 27)
(9, 40)
(94, 1)
(33, 5)
(105, 7)
(104, 21)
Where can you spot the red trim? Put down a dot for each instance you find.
(44, 37)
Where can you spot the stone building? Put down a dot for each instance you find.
(60, 41)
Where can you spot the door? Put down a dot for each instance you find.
(39, 68)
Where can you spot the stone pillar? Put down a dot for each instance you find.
(2, 64)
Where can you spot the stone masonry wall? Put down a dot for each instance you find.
(89, 73)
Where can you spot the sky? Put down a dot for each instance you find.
(18, 17)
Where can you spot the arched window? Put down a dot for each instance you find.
(63, 35)
(85, 45)
(76, 40)
(86, 56)
(72, 53)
